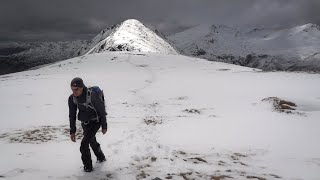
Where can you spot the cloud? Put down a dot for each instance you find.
(82, 19)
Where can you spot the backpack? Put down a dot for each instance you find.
(88, 103)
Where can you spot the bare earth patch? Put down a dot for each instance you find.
(40, 134)
(282, 106)
(192, 165)
(153, 120)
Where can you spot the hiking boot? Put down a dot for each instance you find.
(101, 160)
(87, 169)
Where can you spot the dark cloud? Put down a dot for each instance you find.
(81, 19)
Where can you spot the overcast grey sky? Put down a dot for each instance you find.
(30, 20)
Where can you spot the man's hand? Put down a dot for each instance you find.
(104, 131)
(73, 137)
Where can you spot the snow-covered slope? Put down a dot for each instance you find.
(296, 48)
(131, 35)
(169, 117)
(21, 56)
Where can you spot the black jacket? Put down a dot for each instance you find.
(86, 113)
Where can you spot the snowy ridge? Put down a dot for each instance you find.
(295, 49)
(97, 40)
(131, 35)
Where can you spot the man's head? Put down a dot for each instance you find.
(77, 86)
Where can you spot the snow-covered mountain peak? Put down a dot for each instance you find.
(130, 22)
(306, 28)
(130, 35)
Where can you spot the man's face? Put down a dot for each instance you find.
(77, 91)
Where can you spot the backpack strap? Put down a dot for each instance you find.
(88, 98)
(75, 101)
(88, 103)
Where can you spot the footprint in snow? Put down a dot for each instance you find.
(223, 69)
(142, 65)
(180, 98)
(15, 172)
(193, 111)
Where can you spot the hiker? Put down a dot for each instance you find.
(92, 114)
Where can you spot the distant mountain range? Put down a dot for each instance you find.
(288, 49)
(22, 56)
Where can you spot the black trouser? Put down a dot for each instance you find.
(89, 137)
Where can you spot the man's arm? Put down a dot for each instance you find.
(100, 108)
(72, 114)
